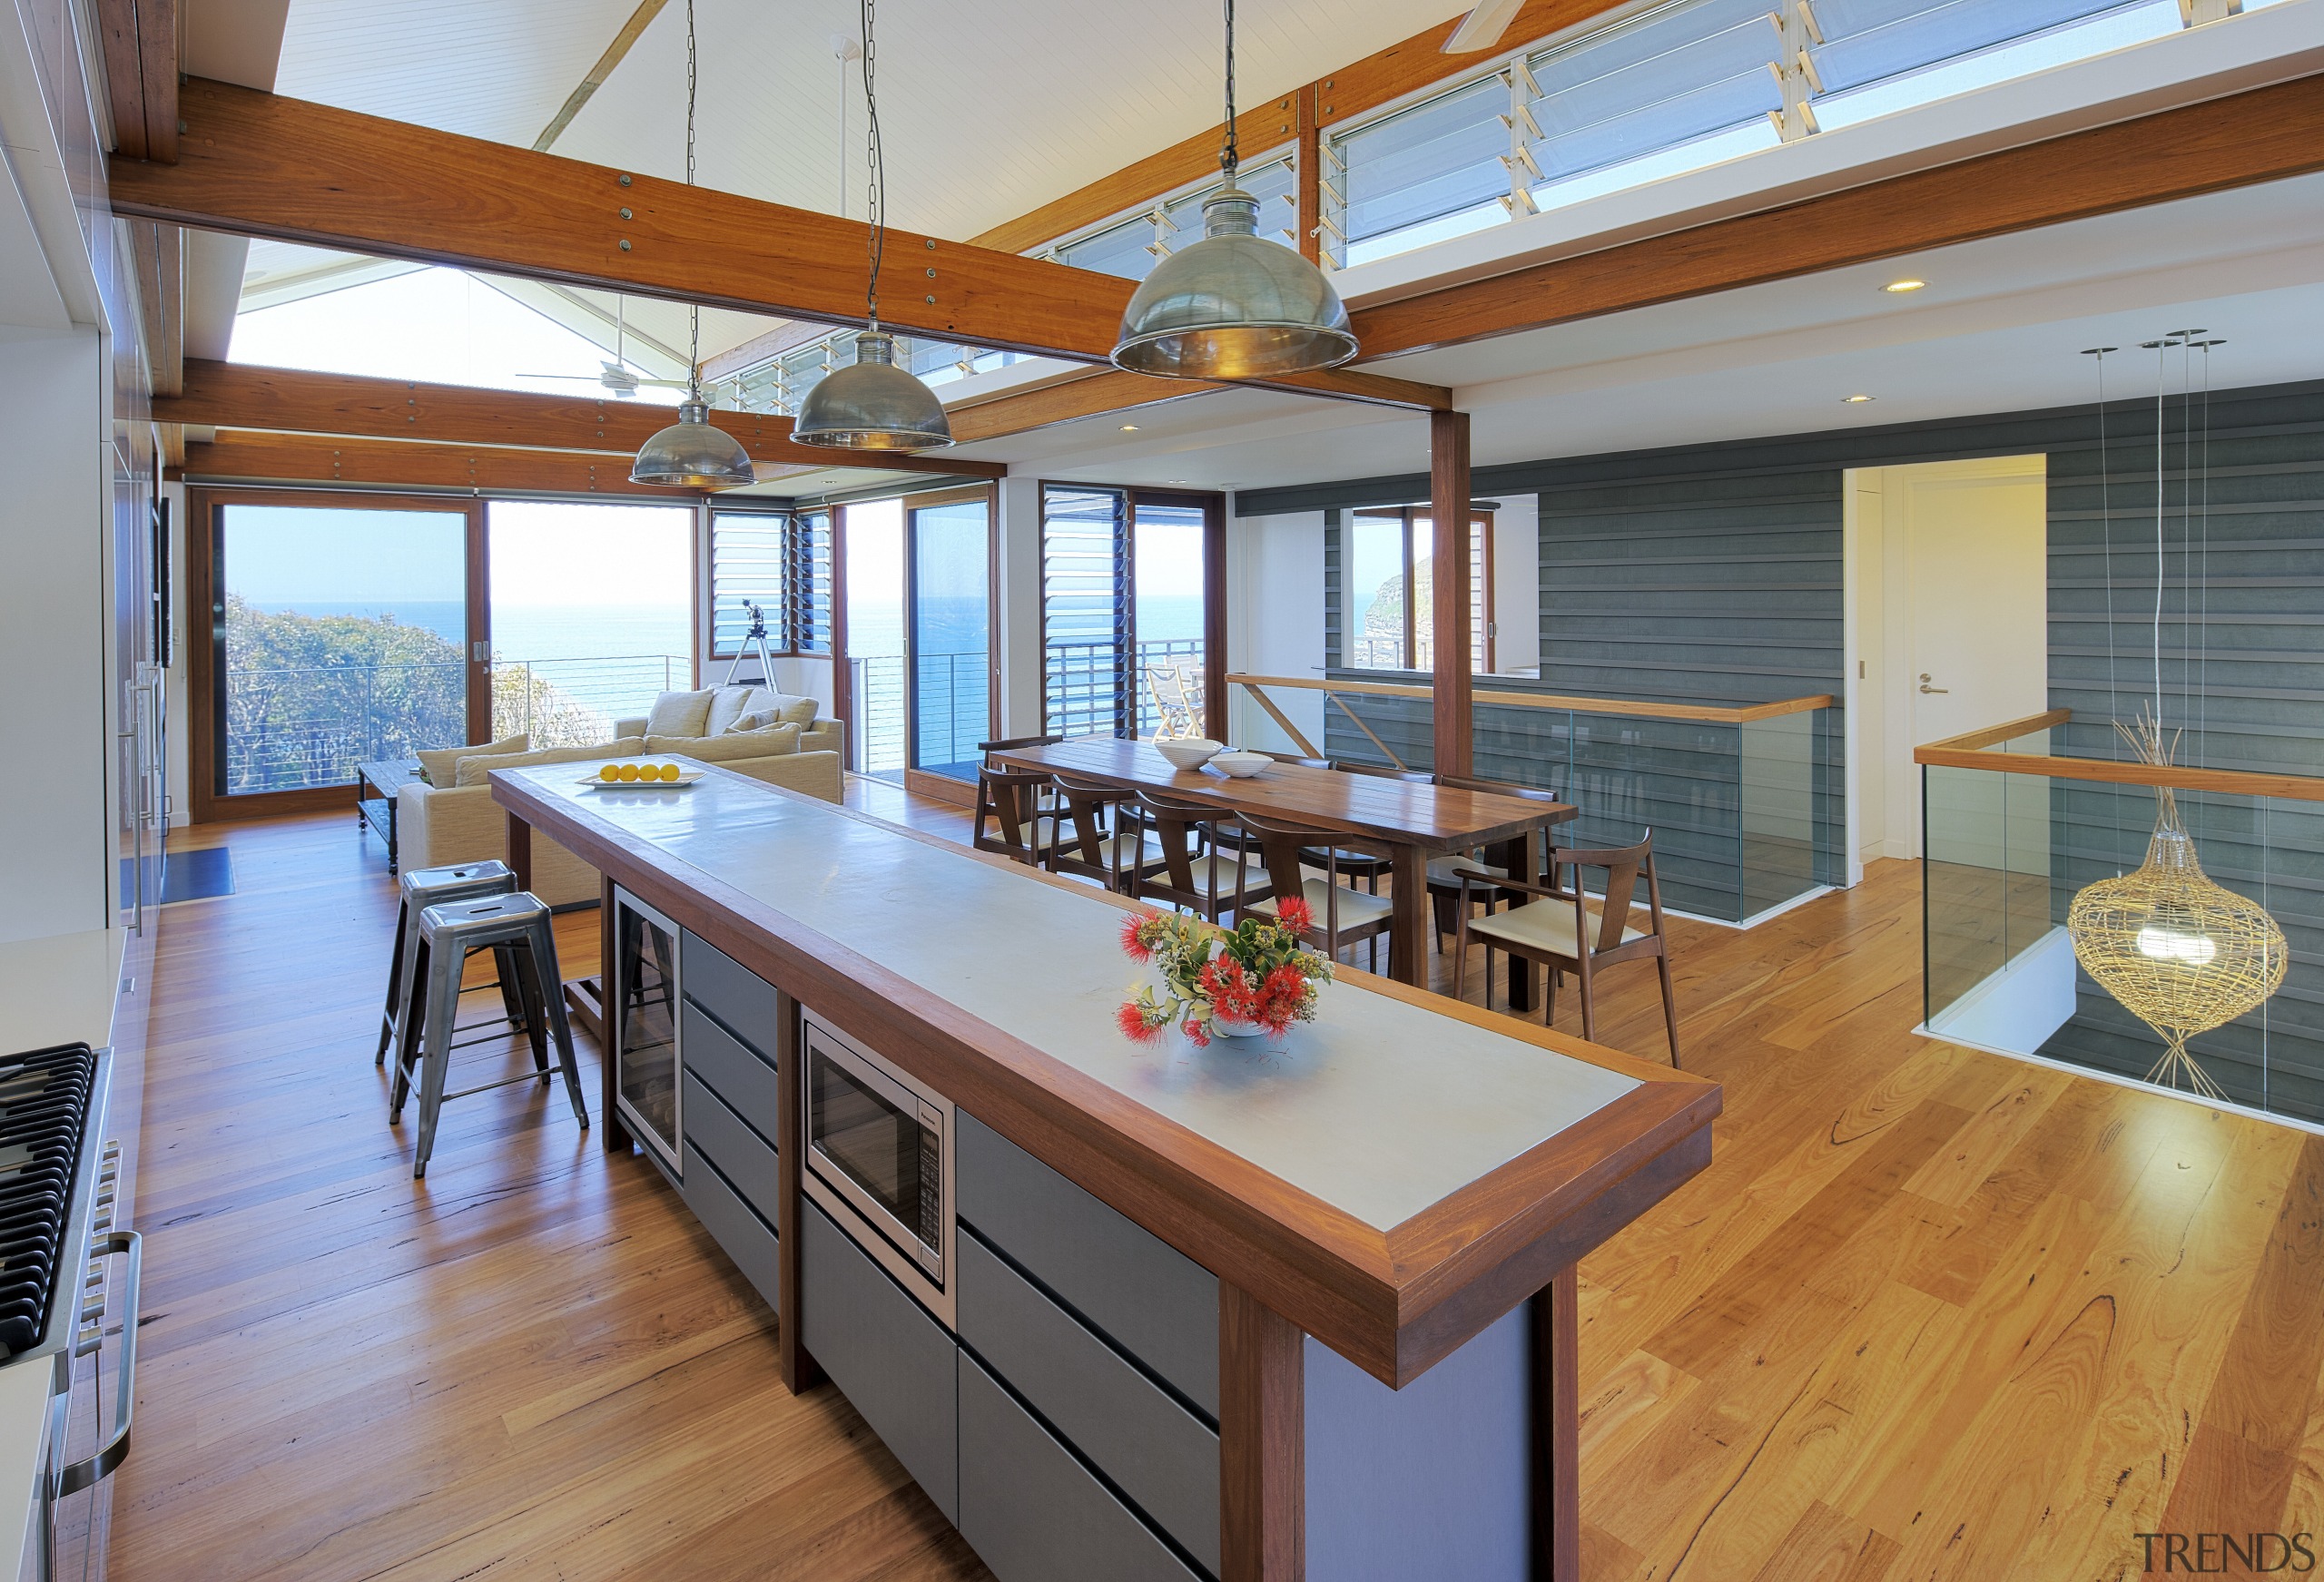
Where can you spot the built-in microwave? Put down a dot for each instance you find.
(879, 1162)
(643, 1011)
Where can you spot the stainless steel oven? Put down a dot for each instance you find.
(645, 1011)
(879, 1162)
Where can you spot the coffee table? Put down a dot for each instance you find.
(377, 812)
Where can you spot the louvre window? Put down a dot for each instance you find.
(781, 563)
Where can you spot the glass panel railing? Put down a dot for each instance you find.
(1743, 801)
(2014, 832)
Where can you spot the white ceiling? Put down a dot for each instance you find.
(988, 109)
(2000, 327)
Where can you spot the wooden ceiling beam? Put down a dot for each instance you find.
(1067, 401)
(139, 41)
(256, 165)
(300, 458)
(158, 253)
(2244, 139)
(294, 401)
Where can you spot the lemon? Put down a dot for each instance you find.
(629, 771)
(610, 772)
(670, 772)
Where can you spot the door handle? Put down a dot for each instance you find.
(1926, 688)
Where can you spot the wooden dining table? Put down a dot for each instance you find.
(1414, 821)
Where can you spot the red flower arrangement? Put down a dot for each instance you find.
(1252, 977)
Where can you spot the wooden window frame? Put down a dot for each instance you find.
(1212, 506)
(1479, 523)
(206, 680)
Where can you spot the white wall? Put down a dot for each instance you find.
(1020, 526)
(1517, 586)
(56, 845)
(1274, 621)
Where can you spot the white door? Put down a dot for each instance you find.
(1949, 608)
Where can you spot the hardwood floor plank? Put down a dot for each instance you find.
(1921, 1311)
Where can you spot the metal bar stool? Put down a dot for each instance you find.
(448, 935)
(427, 886)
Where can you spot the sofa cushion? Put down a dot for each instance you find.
(775, 709)
(442, 766)
(727, 706)
(734, 745)
(680, 714)
(474, 769)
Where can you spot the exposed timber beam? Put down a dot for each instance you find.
(616, 52)
(139, 41)
(300, 458)
(256, 165)
(1091, 396)
(158, 252)
(2260, 134)
(294, 402)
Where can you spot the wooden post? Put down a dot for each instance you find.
(1447, 496)
(1557, 1487)
(1261, 1442)
(520, 850)
(1308, 174)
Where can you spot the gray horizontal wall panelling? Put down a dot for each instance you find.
(2243, 671)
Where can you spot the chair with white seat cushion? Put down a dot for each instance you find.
(1101, 837)
(1564, 932)
(1202, 870)
(1017, 815)
(1339, 915)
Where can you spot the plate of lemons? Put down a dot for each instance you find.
(641, 776)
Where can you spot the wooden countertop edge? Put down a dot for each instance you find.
(1389, 1302)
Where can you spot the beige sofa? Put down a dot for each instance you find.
(713, 711)
(436, 825)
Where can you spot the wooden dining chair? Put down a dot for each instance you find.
(1485, 863)
(1340, 915)
(1200, 872)
(1556, 930)
(1102, 837)
(984, 749)
(1017, 816)
(1357, 862)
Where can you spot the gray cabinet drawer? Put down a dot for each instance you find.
(729, 990)
(1156, 1302)
(744, 1077)
(895, 1364)
(1156, 1451)
(739, 1153)
(1032, 1512)
(745, 1237)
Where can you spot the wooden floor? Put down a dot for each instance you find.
(1929, 1313)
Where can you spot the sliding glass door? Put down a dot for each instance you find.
(1132, 604)
(950, 636)
(918, 599)
(340, 632)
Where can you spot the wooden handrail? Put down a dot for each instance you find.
(1704, 713)
(1972, 750)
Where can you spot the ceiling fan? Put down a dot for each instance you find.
(614, 373)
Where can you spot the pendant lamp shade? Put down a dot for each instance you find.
(873, 404)
(691, 454)
(1233, 306)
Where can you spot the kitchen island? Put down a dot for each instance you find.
(1239, 1311)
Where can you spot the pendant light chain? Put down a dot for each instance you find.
(1230, 154)
(694, 309)
(879, 174)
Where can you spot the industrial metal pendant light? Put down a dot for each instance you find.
(1232, 305)
(873, 404)
(691, 454)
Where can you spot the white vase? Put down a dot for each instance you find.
(1236, 1027)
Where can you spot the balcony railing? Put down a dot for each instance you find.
(1086, 690)
(2018, 819)
(290, 728)
(1743, 799)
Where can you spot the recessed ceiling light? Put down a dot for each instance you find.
(1899, 288)
(1129, 428)
(1854, 400)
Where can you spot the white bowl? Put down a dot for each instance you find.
(1187, 752)
(1239, 763)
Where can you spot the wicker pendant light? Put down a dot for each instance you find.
(2182, 954)
(874, 404)
(1232, 305)
(692, 453)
